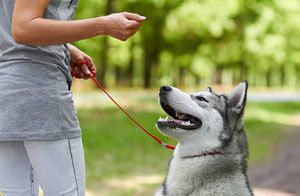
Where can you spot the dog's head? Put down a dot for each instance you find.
(205, 119)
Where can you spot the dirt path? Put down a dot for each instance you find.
(283, 171)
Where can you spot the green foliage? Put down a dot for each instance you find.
(203, 41)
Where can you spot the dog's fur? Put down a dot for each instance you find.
(218, 127)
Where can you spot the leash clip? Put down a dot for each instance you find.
(164, 144)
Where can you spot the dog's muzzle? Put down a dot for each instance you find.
(180, 119)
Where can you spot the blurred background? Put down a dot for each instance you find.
(191, 44)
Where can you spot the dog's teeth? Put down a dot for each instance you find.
(187, 123)
(181, 116)
(184, 123)
(160, 119)
(166, 118)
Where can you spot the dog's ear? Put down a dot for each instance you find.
(238, 96)
(209, 89)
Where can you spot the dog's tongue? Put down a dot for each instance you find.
(175, 120)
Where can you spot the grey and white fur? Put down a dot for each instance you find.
(205, 122)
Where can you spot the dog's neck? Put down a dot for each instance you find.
(202, 155)
(192, 150)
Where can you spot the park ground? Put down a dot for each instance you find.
(121, 160)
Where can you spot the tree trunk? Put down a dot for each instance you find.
(105, 46)
(243, 72)
(197, 80)
(219, 72)
(254, 82)
(268, 77)
(101, 76)
(148, 62)
(130, 72)
(282, 75)
(147, 72)
(297, 76)
(181, 76)
(118, 76)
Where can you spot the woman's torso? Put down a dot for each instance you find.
(35, 100)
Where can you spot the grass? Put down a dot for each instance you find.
(115, 148)
(123, 160)
(265, 124)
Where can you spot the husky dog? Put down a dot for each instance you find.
(210, 157)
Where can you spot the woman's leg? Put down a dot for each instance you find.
(58, 165)
(16, 174)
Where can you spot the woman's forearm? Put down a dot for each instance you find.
(29, 26)
(43, 32)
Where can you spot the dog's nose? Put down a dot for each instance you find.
(165, 89)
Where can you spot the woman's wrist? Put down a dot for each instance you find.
(101, 25)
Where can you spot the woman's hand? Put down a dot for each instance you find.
(77, 56)
(123, 25)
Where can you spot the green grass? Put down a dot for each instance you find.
(116, 148)
(265, 124)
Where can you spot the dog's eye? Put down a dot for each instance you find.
(200, 98)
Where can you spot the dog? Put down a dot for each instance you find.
(210, 158)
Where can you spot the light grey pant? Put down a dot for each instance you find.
(57, 166)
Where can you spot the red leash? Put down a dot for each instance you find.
(154, 137)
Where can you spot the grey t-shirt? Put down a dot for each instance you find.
(35, 98)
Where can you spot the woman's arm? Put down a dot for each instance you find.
(29, 26)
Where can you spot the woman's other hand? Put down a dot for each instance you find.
(77, 56)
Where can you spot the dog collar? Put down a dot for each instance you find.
(202, 155)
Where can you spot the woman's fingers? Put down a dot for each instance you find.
(82, 71)
(82, 75)
(136, 17)
(84, 68)
(76, 71)
(90, 64)
(133, 25)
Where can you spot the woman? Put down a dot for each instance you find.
(40, 137)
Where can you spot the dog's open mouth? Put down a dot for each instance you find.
(180, 120)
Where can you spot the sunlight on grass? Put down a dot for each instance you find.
(130, 185)
(277, 117)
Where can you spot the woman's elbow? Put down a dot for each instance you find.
(20, 35)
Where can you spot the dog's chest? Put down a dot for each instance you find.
(184, 176)
(195, 177)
